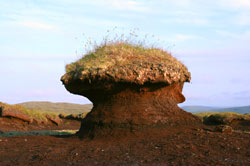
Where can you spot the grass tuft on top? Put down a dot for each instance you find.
(128, 61)
(118, 52)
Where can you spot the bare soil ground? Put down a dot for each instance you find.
(193, 145)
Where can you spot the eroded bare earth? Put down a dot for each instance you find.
(197, 145)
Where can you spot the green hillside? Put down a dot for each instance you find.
(66, 108)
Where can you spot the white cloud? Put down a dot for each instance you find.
(36, 25)
(236, 4)
(239, 36)
(182, 3)
(224, 33)
(96, 21)
(242, 19)
(131, 5)
(30, 22)
(187, 21)
(241, 9)
(181, 38)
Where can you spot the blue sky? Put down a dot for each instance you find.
(39, 37)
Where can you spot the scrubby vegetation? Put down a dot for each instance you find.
(221, 117)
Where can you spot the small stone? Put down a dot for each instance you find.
(224, 129)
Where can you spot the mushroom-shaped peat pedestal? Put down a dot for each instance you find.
(131, 87)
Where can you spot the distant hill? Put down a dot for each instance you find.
(70, 108)
(241, 110)
(67, 108)
(196, 109)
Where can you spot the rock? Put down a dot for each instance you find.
(55, 119)
(224, 129)
(214, 120)
(38, 121)
(15, 113)
(63, 116)
(131, 97)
